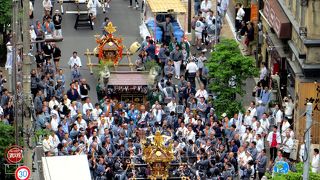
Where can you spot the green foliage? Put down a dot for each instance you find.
(294, 175)
(289, 176)
(151, 64)
(299, 167)
(227, 63)
(40, 133)
(101, 67)
(6, 137)
(6, 12)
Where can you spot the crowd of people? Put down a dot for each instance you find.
(179, 105)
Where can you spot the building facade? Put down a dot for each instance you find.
(291, 48)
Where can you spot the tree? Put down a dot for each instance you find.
(5, 20)
(6, 12)
(6, 139)
(228, 69)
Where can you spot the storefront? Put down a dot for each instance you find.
(276, 33)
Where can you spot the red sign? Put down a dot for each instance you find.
(13, 154)
(22, 173)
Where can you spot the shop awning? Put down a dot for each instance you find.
(161, 6)
(277, 19)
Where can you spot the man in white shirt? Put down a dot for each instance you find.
(47, 5)
(252, 108)
(223, 7)
(73, 108)
(54, 142)
(157, 113)
(315, 164)
(259, 129)
(274, 140)
(240, 16)
(191, 135)
(201, 93)
(53, 102)
(199, 27)
(192, 70)
(263, 71)
(182, 129)
(289, 107)
(92, 7)
(260, 143)
(80, 122)
(55, 111)
(265, 123)
(102, 126)
(254, 123)
(278, 115)
(172, 105)
(96, 112)
(75, 62)
(54, 122)
(285, 126)
(209, 18)
(205, 6)
(46, 145)
(192, 67)
(91, 140)
(287, 145)
(87, 105)
(247, 121)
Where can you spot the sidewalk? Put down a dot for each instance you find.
(228, 31)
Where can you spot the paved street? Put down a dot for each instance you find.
(126, 20)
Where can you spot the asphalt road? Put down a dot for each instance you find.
(127, 21)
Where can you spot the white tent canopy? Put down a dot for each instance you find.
(66, 167)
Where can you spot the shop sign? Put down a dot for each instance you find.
(128, 89)
(13, 154)
(314, 100)
(277, 19)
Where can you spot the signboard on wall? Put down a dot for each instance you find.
(308, 92)
(277, 18)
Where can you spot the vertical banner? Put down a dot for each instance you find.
(254, 12)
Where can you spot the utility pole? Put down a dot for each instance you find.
(26, 82)
(189, 16)
(216, 25)
(12, 74)
(306, 164)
